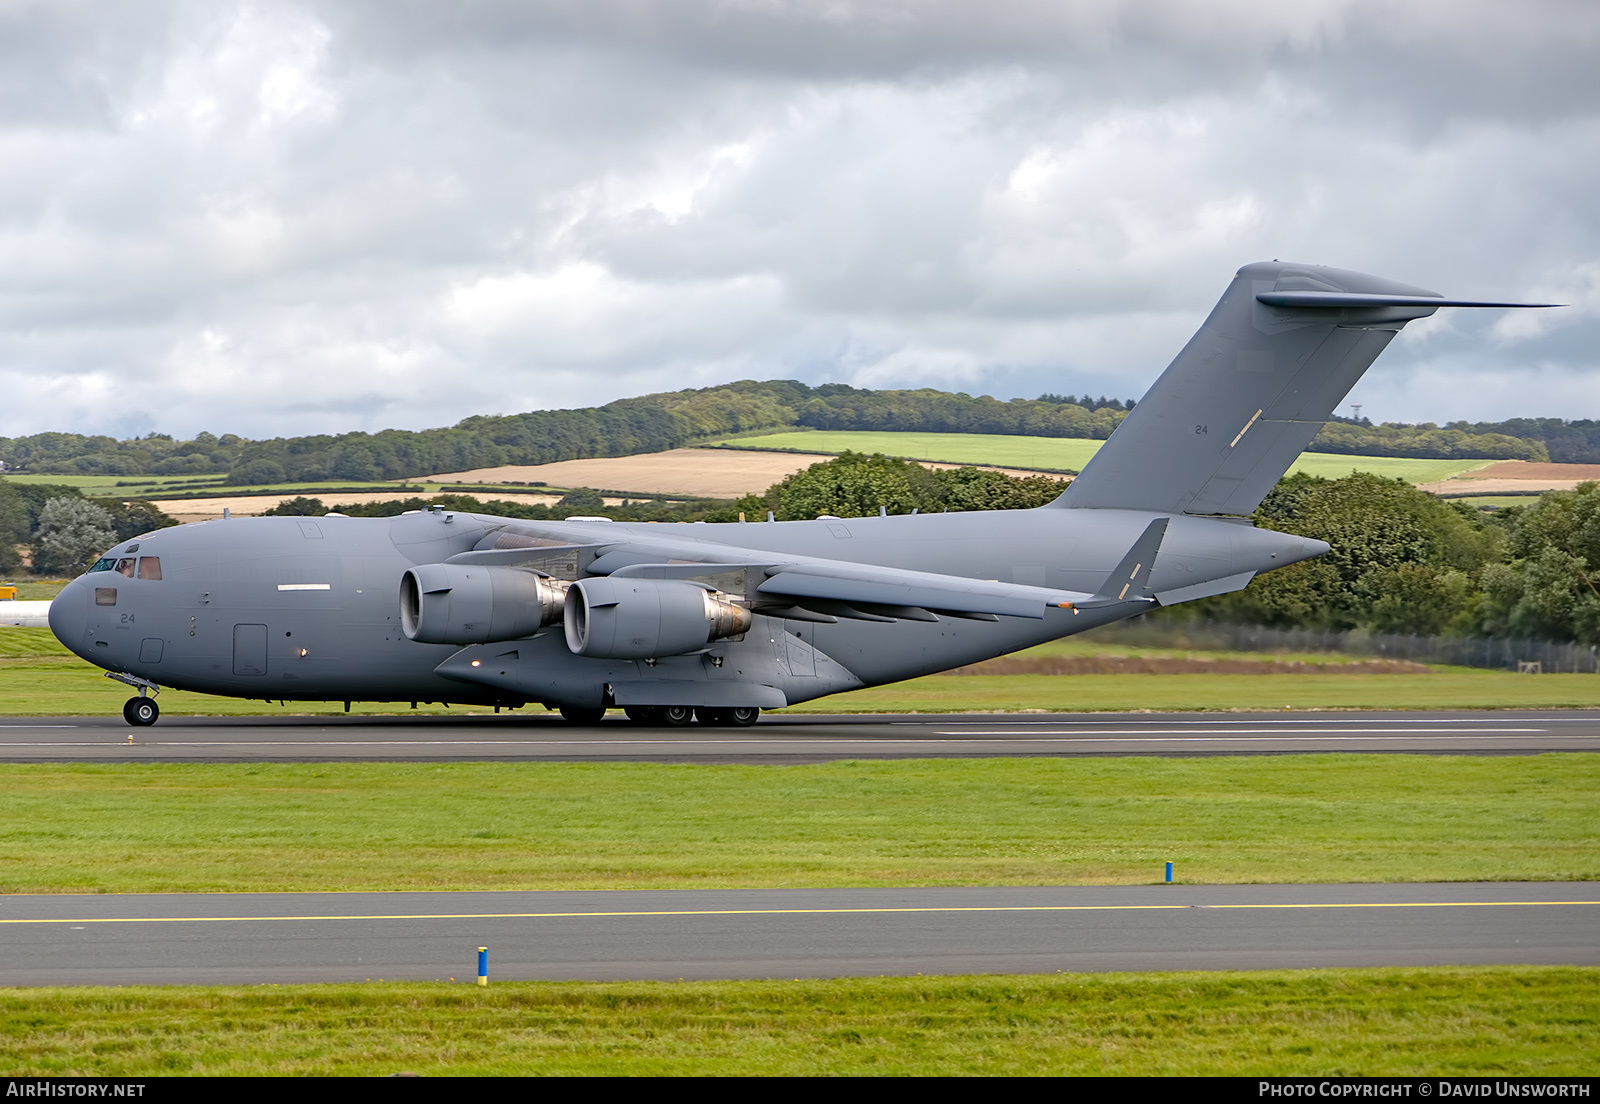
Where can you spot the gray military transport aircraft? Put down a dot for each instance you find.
(717, 622)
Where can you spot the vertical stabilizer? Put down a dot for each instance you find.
(1277, 355)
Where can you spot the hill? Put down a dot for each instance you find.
(656, 423)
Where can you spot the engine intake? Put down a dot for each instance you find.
(644, 618)
(446, 603)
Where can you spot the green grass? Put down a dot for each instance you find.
(33, 590)
(20, 643)
(1065, 453)
(1092, 645)
(1043, 453)
(38, 677)
(173, 486)
(1486, 1021)
(1331, 465)
(127, 827)
(55, 686)
(105, 485)
(1499, 500)
(311, 490)
(1442, 688)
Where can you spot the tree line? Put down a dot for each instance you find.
(653, 423)
(1401, 561)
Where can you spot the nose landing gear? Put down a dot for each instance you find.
(141, 712)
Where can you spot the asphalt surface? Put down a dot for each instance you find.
(541, 736)
(259, 938)
(169, 939)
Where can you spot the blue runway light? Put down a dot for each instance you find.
(1169, 873)
(483, 965)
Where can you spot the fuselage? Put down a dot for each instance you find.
(288, 608)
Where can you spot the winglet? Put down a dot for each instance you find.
(1130, 581)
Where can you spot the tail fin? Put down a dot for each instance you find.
(1277, 355)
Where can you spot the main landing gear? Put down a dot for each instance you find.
(676, 716)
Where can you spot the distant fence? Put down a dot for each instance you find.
(1500, 652)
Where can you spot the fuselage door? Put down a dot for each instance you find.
(249, 649)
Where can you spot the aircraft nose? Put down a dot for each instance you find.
(69, 615)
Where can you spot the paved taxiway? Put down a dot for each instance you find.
(282, 937)
(536, 736)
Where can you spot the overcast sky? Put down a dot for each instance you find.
(276, 219)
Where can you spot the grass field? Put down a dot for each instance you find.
(30, 589)
(1066, 454)
(101, 485)
(132, 827)
(1044, 453)
(1500, 500)
(1498, 1021)
(182, 486)
(1443, 688)
(38, 677)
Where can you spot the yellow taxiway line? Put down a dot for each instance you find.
(782, 912)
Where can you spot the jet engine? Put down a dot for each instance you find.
(445, 603)
(612, 618)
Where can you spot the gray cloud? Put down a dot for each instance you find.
(276, 219)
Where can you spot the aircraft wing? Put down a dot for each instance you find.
(825, 589)
(891, 588)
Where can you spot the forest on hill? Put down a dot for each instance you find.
(653, 423)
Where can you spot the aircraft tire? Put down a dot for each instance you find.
(675, 716)
(743, 716)
(580, 715)
(643, 714)
(141, 712)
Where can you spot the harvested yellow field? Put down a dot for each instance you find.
(1516, 475)
(702, 473)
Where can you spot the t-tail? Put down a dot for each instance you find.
(1278, 354)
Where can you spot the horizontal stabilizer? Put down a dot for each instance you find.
(1343, 299)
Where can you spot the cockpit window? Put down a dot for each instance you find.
(104, 565)
(125, 567)
(105, 596)
(149, 567)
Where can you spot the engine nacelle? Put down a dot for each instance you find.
(644, 618)
(445, 603)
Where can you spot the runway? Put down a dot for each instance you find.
(786, 933)
(791, 738)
